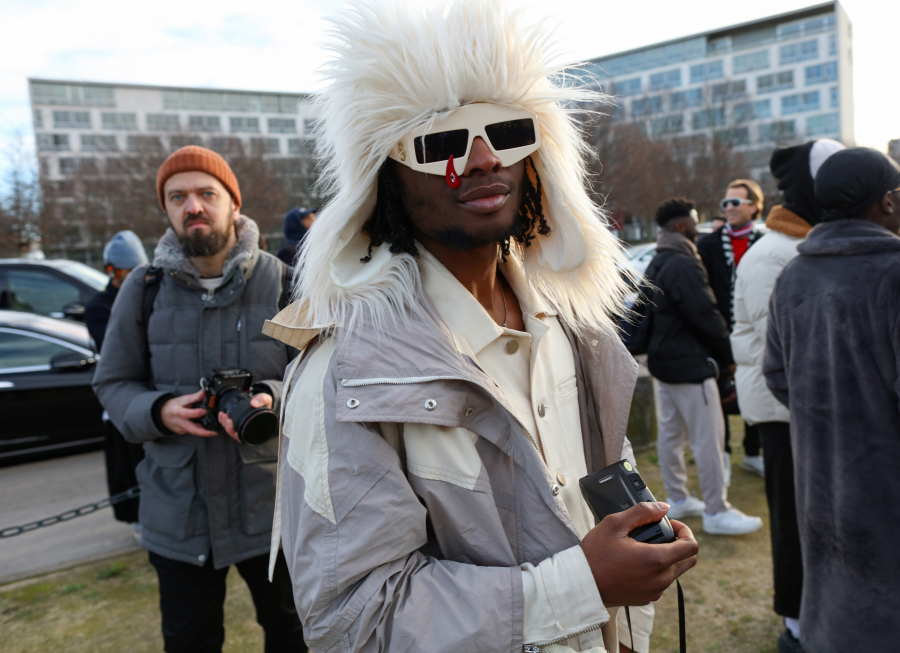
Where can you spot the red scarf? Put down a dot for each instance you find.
(740, 240)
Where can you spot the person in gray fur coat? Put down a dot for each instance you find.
(833, 358)
(207, 499)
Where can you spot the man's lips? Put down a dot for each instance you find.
(485, 199)
(193, 224)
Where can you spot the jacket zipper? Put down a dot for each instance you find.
(410, 380)
(536, 648)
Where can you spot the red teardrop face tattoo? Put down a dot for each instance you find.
(453, 180)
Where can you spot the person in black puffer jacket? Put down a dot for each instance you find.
(688, 348)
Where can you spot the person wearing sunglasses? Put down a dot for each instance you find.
(832, 343)
(456, 306)
(721, 252)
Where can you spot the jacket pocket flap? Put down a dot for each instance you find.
(171, 453)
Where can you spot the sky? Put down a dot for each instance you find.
(279, 45)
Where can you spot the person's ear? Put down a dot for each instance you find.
(889, 202)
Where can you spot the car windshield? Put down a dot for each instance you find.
(90, 276)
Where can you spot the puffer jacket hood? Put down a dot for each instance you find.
(400, 65)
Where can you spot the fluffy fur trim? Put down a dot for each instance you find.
(169, 256)
(399, 65)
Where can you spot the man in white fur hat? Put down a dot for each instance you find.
(460, 369)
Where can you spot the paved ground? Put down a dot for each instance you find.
(32, 491)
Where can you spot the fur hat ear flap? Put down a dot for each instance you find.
(564, 248)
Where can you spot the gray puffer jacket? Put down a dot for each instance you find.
(197, 494)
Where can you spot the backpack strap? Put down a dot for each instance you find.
(152, 279)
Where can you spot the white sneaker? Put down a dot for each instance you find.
(730, 522)
(690, 507)
(726, 468)
(754, 464)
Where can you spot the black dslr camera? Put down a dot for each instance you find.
(617, 488)
(228, 391)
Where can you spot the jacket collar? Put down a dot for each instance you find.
(243, 256)
(848, 238)
(668, 239)
(787, 222)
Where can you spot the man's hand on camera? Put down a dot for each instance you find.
(261, 400)
(177, 415)
(628, 572)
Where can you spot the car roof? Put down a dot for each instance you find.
(67, 330)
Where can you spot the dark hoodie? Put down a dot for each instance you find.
(833, 357)
(294, 233)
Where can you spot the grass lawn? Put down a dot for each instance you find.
(113, 605)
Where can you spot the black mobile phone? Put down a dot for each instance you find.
(617, 488)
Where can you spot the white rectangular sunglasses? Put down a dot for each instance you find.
(512, 133)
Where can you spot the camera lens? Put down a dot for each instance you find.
(253, 425)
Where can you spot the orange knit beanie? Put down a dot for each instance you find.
(194, 157)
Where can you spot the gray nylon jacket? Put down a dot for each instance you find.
(387, 552)
(197, 494)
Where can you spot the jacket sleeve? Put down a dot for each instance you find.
(122, 380)
(689, 291)
(774, 363)
(353, 532)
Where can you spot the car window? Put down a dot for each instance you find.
(35, 291)
(96, 280)
(18, 350)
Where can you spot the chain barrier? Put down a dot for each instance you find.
(130, 493)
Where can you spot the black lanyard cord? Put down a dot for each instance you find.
(681, 634)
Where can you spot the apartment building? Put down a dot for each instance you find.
(77, 124)
(753, 86)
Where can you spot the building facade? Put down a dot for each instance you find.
(78, 124)
(754, 86)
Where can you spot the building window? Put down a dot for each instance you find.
(686, 99)
(835, 99)
(646, 106)
(172, 100)
(282, 126)
(309, 125)
(775, 81)
(705, 72)
(226, 145)
(708, 118)
(304, 146)
(732, 137)
(820, 125)
(98, 143)
(667, 125)
(762, 109)
(38, 119)
(627, 87)
(84, 165)
(729, 90)
(53, 142)
(662, 81)
(747, 111)
(71, 120)
(265, 145)
(183, 141)
(119, 120)
(241, 124)
(77, 94)
(752, 61)
(143, 143)
(799, 52)
(832, 45)
(167, 122)
(777, 131)
(204, 123)
(823, 72)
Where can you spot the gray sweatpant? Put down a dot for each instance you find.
(691, 412)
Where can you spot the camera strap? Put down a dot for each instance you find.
(682, 640)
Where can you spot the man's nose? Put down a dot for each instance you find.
(481, 159)
(192, 205)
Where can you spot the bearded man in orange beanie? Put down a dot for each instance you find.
(208, 478)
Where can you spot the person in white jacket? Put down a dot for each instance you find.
(788, 224)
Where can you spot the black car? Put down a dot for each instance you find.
(55, 288)
(46, 401)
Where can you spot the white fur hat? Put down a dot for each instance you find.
(398, 65)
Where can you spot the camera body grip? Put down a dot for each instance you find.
(618, 487)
